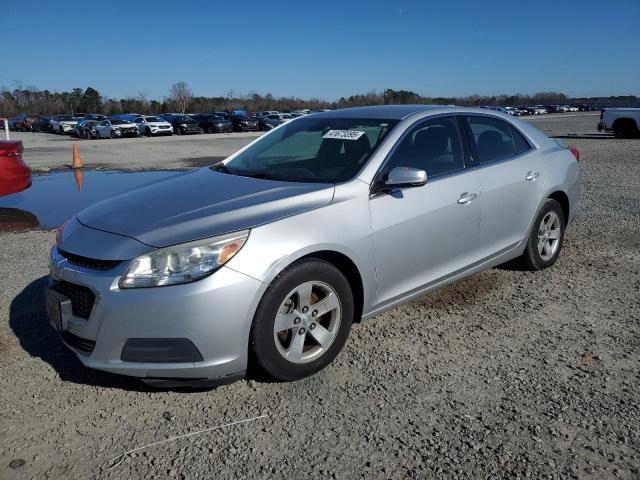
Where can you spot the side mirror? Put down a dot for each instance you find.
(406, 177)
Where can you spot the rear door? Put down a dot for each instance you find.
(511, 174)
(423, 234)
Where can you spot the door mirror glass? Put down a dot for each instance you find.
(406, 177)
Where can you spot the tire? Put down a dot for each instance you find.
(113, 134)
(533, 258)
(268, 349)
(87, 135)
(147, 132)
(61, 131)
(178, 131)
(625, 128)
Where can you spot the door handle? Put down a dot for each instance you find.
(466, 197)
(532, 175)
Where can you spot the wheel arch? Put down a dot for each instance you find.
(342, 262)
(623, 121)
(563, 199)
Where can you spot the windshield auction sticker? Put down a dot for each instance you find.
(343, 134)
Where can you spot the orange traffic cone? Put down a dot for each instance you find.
(77, 163)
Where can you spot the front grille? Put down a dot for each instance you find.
(86, 262)
(78, 343)
(81, 297)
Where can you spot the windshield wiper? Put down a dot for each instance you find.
(221, 167)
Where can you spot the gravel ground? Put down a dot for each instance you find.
(506, 374)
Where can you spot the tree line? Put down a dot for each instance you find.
(33, 101)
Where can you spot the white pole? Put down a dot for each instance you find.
(6, 128)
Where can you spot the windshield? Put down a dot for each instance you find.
(319, 150)
(120, 122)
(154, 119)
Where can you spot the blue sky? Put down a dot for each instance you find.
(323, 49)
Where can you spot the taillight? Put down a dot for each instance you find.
(576, 153)
(11, 148)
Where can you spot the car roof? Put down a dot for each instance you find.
(391, 112)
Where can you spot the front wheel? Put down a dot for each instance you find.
(147, 132)
(303, 321)
(546, 237)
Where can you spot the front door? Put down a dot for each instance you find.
(423, 234)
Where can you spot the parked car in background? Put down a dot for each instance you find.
(244, 123)
(268, 112)
(623, 122)
(210, 123)
(23, 123)
(270, 256)
(116, 128)
(269, 122)
(15, 175)
(182, 124)
(41, 124)
(86, 128)
(150, 125)
(63, 124)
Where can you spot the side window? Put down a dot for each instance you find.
(433, 146)
(519, 141)
(103, 123)
(492, 138)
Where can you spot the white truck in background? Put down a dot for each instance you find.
(623, 122)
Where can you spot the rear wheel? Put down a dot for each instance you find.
(546, 237)
(625, 128)
(303, 321)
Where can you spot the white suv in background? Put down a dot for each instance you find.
(152, 125)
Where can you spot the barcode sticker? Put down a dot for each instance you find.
(343, 134)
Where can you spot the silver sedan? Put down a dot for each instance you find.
(270, 256)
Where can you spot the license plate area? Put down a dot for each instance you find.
(58, 309)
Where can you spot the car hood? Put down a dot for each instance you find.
(199, 204)
(159, 124)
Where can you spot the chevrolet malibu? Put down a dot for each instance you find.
(267, 258)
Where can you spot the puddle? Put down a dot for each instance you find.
(55, 197)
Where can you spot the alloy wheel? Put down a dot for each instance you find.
(307, 322)
(549, 236)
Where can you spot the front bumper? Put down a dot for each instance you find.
(161, 131)
(68, 128)
(129, 132)
(214, 314)
(223, 128)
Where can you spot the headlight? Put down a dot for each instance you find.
(183, 125)
(182, 263)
